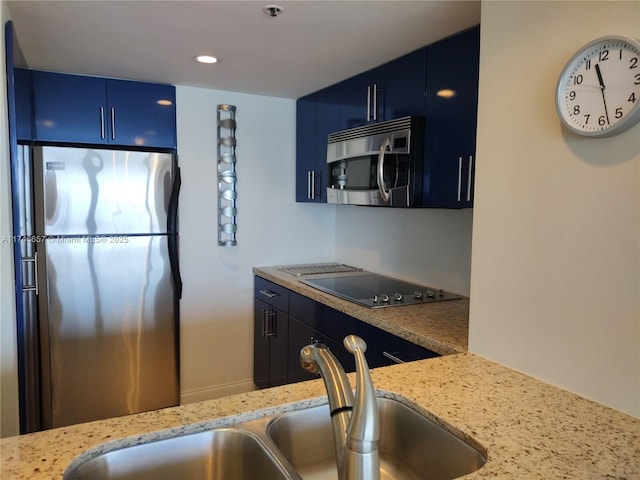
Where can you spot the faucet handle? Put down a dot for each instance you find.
(363, 429)
(353, 343)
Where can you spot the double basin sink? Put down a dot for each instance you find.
(292, 446)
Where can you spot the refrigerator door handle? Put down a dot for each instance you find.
(172, 230)
(34, 260)
(172, 214)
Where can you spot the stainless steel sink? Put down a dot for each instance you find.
(293, 446)
(411, 446)
(227, 453)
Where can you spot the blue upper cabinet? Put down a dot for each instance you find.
(450, 123)
(69, 108)
(317, 116)
(439, 82)
(93, 110)
(392, 90)
(24, 104)
(141, 114)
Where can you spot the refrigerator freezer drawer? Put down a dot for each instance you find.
(110, 327)
(92, 191)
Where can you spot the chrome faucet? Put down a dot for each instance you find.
(355, 422)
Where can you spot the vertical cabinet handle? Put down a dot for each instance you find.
(268, 324)
(113, 123)
(102, 123)
(459, 178)
(375, 101)
(368, 102)
(313, 184)
(469, 178)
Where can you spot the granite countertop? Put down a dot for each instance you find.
(442, 327)
(528, 429)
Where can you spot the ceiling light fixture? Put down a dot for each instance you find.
(273, 10)
(206, 59)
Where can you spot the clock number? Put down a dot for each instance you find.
(588, 65)
(577, 80)
(572, 95)
(602, 120)
(586, 118)
(618, 113)
(637, 77)
(634, 63)
(604, 55)
(632, 98)
(576, 110)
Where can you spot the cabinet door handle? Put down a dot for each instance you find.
(368, 102)
(269, 293)
(459, 178)
(268, 325)
(102, 123)
(469, 178)
(113, 123)
(392, 357)
(309, 184)
(313, 184)
(375, 101)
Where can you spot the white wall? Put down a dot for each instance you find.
(421, 245)
(8, 360)
(555, 286)
(217, 304)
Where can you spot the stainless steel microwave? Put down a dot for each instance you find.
(378, 164)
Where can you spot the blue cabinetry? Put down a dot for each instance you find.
(450, 123)
(94, 110)
(24, 104)
(392, 90)
(317, 116)
(285, 321)
(439, 82)
(271, 333)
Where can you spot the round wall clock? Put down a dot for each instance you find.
(598, 93)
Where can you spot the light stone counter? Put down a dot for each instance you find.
(442, 327)
(528, 429)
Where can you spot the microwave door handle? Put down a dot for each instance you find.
(383, 193)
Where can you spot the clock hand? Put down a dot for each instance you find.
(606, 113)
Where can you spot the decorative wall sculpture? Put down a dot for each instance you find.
(227, 178)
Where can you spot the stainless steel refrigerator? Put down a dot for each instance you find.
(101, 285)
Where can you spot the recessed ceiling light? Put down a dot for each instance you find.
(206, 59)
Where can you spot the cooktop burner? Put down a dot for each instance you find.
(318, 268)
(378, 291)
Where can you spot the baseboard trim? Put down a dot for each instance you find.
(216, 391)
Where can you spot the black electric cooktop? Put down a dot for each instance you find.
(378, 291)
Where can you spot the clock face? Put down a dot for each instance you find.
(598, 92)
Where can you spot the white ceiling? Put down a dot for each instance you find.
(310, 45)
